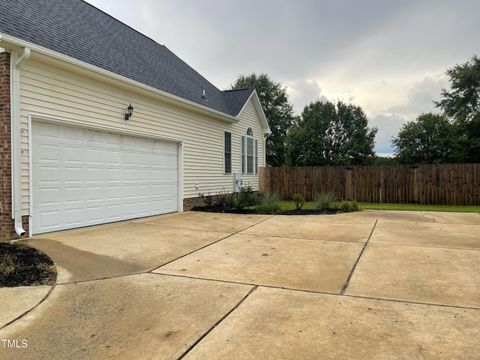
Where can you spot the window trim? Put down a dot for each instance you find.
(244, 155)
(255, 156)
(224, 153)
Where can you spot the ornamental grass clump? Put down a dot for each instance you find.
(269, 204)
(299, 201)
(325, 201)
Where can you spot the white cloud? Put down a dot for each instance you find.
(388, 126)
(421, 96)
(303, 92)
(419, 100)
(386, 56)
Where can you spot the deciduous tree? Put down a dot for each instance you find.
(277, 109)
(462, 103)
(430, 139)
(330, 133)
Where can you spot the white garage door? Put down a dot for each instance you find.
(83, 177)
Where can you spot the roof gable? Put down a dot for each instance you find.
(255, 100)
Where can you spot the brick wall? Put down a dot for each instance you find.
(5, 149)
(190, 203)
(7, 231)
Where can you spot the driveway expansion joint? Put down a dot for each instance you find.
(207, 245)
(196, 342)
(178, 227)
(302, 238)
(426, 246)
(102, 278)
(246, 283)
(412, 302)
(345, 286)
(400, 301)
(29, 310)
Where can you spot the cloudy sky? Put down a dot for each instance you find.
(387, 56)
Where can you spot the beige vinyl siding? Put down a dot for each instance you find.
(90, 100)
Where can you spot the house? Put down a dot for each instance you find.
(99, 123)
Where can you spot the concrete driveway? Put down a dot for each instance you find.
(368, 285)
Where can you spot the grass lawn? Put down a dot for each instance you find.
(290, 205)
(415, 207)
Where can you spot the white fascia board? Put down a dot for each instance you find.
(84, 65)
(258, 107)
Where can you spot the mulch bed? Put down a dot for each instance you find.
(22, 265)
(220, 209)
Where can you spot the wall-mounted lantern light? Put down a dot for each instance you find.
(129, 112)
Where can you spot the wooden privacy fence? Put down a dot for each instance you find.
(450, 184)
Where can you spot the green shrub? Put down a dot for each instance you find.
(325, 201)
(244, 198)
(258, 197)
(269, 204)
(348, 206)
(355, 206)
(299, 200)
(207, 200)
(335, 206)
(225, 200)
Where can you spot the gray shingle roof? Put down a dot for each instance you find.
(79, 30)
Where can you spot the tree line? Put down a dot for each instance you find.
(336, 133)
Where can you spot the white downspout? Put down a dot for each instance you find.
(15, 63)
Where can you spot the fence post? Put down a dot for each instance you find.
(348, 184)
(262, 177)
(415, 184)
(382, 184)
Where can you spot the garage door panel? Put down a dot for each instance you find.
(161, 147)
(111, 142)
(48, 173)
(72, 173)
(49, 153)
(94, 157)
(170, 205)
(132, 159)
(144, 160)
(113, 157)
(48, 195)
(93, 193)
(165, 175)
(94, 138)
(50, 219)
(144, 175)
(48, 131)
(72, 153)
(113, 192)
(113, 177)
(167, 162)
(69, 135)
(94, 174)
(85, 177)
(73, 217)
(73, 194)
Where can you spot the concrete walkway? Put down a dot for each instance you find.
(368, 285)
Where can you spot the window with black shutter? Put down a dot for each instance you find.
(227, 153)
